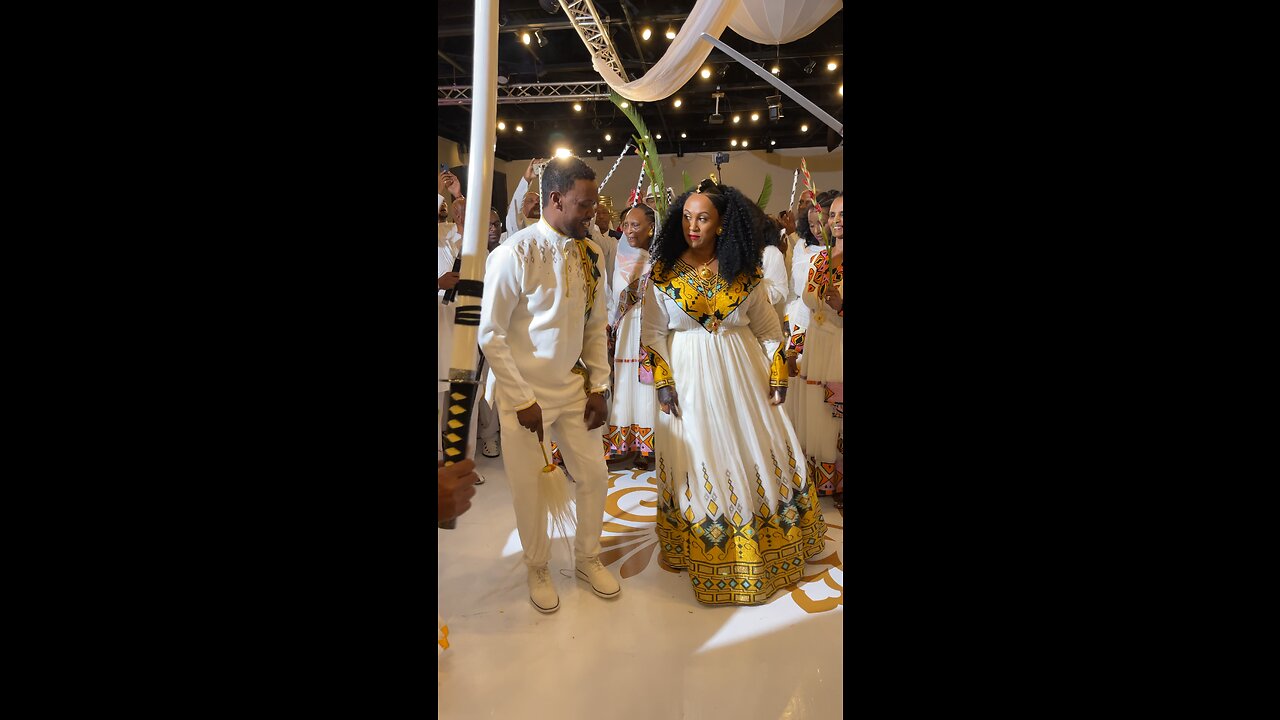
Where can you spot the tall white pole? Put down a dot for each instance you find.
(463, 371)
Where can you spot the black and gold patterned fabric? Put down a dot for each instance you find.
(590, 271)
(739, 551)
(707, 301)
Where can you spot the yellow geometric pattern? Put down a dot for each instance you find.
(630, 541)
(737, 560)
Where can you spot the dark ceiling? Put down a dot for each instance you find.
(565, 59)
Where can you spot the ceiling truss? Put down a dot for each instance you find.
(527, 93)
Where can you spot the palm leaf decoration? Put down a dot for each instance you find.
(688, 184)
(765, 192)
(645, 148)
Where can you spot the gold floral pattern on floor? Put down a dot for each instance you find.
(630, 538)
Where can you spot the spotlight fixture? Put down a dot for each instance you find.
(840, 90)
(678, 102)
(724, 70)
(519, 128)
(563, 152)
(524, 37)
(623, 104)
(599, 150)
(646, 34)
(577, 107)
(804, 128)
(808, 69)
(769, 147)
(776, 70)
(831, 66)
(773, 142)
(542, 41)
(706, 73)
(775, 107)
(733, 143)
(736, 118)
(671, 34)
(607, 137)
(502, 125)
(744, 143)
(683, 135)
(755, 117)
(658, 136)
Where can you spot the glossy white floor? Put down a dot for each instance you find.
(654, 653)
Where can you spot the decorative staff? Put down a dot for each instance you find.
(463, 367)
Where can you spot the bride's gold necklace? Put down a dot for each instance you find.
(704, 272)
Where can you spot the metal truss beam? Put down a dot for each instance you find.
(594, 33)
(527, 93)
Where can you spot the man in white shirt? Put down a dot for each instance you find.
(543, 311)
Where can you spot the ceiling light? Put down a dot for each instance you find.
(678, 102)
(671, 34)
(744, 143)
(563, 152)
(736, 118)
(646, 34)
(776, 70)
(525, 37)
(808, 69)
(577, 107)
(706, 73)
(755, 117)
(623, 104)
(502, 125)
(658, 136)
(773, 142)
(542, 41)
(831, 65)
(519, 128)
(841, 89)
(683, 135)
(733, 143)
(599, 150)
(607, 137)
(804, 128)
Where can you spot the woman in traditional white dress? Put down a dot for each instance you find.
(735, 506)
(629, 435)
(823, 361)
(807, 243)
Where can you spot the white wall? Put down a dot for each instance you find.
(745, 171)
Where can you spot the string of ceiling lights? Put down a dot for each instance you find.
(774, 110)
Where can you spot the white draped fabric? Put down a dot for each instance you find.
(765, 21)
(682, 59)
(777, 22)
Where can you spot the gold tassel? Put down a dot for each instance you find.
(553, 486)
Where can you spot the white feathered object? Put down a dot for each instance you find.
(553, 486)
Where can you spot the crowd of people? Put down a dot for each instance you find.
(705, 345)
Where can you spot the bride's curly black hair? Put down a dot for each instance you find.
(738, 248)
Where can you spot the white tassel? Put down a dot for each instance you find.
(553, 486)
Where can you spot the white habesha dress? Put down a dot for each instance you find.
(798, 320)
(630, 427)
(735, 506)
(823, 371)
